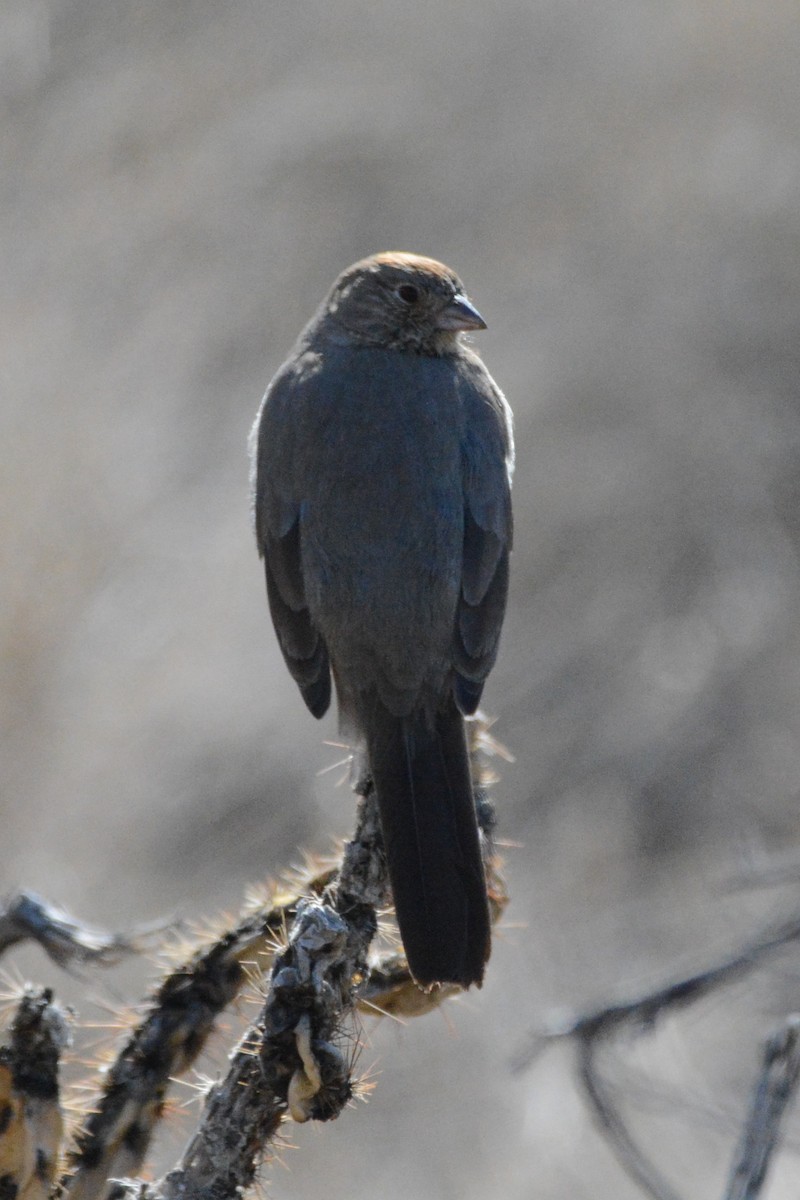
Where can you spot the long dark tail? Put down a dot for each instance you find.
(422, 779)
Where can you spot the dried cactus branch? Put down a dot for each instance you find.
(178, 1021)
(30, 1115)
(312, 937)
(295, 1060)
(289, 1062)
(180, 1017)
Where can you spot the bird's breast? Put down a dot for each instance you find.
(382, 513)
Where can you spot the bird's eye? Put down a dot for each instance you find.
(408, 293)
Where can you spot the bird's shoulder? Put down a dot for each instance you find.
(273, 440)
(488, 420)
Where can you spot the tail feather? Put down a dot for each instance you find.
(424, 788)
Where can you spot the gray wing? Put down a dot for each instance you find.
(277, 511)
(488, 457)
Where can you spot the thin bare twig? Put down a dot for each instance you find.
(611, 1123)
(645, 1010)
(595, 1029)
(774, 1090)
(67, 941)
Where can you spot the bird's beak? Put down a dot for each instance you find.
(460, 313)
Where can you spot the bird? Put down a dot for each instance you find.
(381, 463)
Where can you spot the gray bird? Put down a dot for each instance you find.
(382, 457)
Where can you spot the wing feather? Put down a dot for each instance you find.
(278, 512)
(488, 457)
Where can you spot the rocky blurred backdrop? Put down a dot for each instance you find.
(618, 183)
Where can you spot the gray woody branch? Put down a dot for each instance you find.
(775, 1087)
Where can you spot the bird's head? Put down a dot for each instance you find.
(400, 302)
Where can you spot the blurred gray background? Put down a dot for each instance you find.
(618, 184)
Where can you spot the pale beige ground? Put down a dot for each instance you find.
(619, 185)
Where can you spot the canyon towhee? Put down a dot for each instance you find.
(382, 456)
